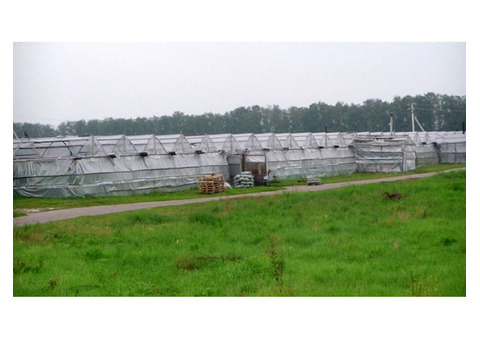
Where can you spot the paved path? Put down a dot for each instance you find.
(55, 215)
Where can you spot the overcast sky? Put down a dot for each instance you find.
(56, 82)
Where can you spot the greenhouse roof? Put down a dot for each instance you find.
(143, 145)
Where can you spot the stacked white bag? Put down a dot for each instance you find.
(244, 180)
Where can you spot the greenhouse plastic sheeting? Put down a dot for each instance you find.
(381, 155)
(455, 152)
(255, 159)
(425, 155)
(311, 162)
(117, 176)
(116, 165)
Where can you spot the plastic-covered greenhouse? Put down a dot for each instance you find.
(119, 165)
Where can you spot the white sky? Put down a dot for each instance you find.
(55, 82)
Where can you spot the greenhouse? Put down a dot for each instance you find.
(77, 166)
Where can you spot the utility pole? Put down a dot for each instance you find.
(413, 117)
(391, 124)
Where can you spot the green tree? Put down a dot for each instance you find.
(434, 111)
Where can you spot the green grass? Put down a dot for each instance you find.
(359, 176)
(20, 203)
(19, 214)
(353, 241)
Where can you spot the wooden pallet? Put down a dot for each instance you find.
(211, 184)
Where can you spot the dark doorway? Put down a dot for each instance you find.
(234, 166)
(258, 166)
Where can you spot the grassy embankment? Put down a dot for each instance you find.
(22, 203)
(355, 241)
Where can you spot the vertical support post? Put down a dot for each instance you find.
(413, 117)
(92, 148)
(391, 124)
(326, 137)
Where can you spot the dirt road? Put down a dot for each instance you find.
(55, 215)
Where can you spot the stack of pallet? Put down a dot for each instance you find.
(211, 184)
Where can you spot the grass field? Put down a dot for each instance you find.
(392, 239)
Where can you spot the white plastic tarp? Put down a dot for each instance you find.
(104, 165)
(378, 154)
(114, 176)
(311, 162)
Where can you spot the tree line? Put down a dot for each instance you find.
(436, 112)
